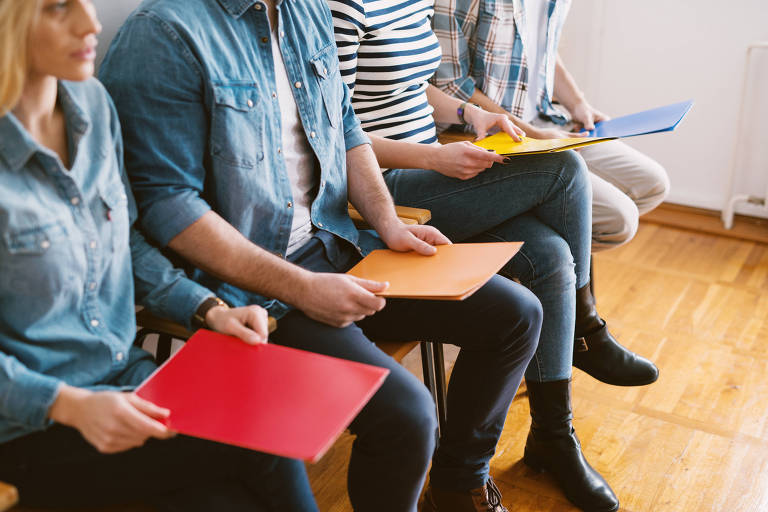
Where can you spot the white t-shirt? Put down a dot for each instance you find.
(297, 153)
(535, 51)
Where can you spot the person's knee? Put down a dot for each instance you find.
(551, 262)
(406, 416)
(656, 188)
(574, 169)
(616, 227)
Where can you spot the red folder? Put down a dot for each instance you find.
(265, 397)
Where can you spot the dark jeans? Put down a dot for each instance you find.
(497, 329)
(58, 468)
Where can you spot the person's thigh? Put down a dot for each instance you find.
(614, 215)
(636, 174)
(498, 309)
(58, 468)
(464, 208)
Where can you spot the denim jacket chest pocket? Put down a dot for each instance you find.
(236, 135)
(114, 227)
(325, 65)
(35, 257)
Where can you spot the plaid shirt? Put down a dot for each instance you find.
(483, 43)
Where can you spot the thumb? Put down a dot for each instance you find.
(371, 286)
(147, 407)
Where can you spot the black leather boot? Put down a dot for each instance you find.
(552, 446)
(596, 352)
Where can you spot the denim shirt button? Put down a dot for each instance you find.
(274, 94)
(250, 103)
(282, 34)
(257, 7)
(92, 245)
(119, 356)
(94, 323)
(290, 204)
(279, 150)
(297, 85)
(75, 201)
(312, 134)
(264, 40)
(319, 224)
(45, 244)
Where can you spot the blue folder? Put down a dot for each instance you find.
(662, 119)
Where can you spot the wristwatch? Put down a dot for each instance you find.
(198, 319)
(463, 109)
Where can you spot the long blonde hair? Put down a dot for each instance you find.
(16, 18)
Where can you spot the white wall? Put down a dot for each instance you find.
(630, 56)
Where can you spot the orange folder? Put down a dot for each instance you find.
(454, 273)
(266, 397)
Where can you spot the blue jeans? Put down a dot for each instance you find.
(496, 328)
(543, 200)
(57, 468)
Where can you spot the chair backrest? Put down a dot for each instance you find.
(112, 14)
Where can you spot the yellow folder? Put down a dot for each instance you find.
(454, 273)
(502, 144)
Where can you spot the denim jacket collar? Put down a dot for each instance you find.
(16, 144)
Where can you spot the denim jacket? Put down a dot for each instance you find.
(66, 279)
(194, 85)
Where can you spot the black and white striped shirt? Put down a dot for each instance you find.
(387, 53)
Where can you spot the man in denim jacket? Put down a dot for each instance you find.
(243, 149)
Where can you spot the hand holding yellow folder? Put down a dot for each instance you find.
(502, 144)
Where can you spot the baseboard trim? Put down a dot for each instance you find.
(745, 227)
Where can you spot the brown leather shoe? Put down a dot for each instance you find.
(483, 499)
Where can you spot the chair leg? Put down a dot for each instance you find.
(428, 368)
(440, 385)
(164, 344)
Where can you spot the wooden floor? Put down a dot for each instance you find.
(697, 439)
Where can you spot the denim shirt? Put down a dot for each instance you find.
(66, 280)
(194, 85)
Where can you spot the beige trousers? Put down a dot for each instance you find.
(625, 184)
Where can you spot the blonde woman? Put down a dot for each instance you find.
(71, 268)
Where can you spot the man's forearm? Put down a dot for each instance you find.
(216, 247)
(566, 90)
(367, 191)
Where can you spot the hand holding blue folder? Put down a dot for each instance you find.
(661, 119)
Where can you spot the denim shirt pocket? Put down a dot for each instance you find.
(325, 64)
(115, 229)
(35, 258)
(35, 240)
(236, 136)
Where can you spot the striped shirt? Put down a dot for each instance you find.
(484, 45)
(387, 53)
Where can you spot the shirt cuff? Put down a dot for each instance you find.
(169, 216)
(183, 299)
(355, 137)
(29, 398)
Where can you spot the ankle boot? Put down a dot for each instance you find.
(596, 352)
(482, 499)
(552, 446)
